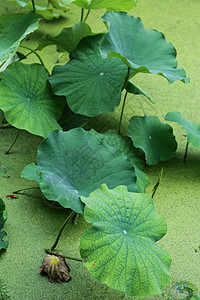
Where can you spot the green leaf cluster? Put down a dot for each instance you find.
(97, 174)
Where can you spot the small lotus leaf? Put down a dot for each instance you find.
(155, 138)
(30, 172)
(3, 244)
(13, 29)
(67, 39)
(75, 163)
(46, 12)
(119, 248)
(91, 84)
(60, 4)
(27, 100)
(116, 5)
(136, 90)
(192, 129)
(143, 50)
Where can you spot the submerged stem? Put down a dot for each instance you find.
(88, 12)
(30, 188)
(61, 230)
(82, 14)
(186, 151)
(8, 151)
(33, 51)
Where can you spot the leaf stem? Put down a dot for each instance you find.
(68, 119)
(186, 151)
(85, 123)
(157, 183)
(124, 101)
(126, 79)
(25, 189)
(120, 121)
(61, 230)
(33, 3)
(8, 151)
(65, 256)
(38, 56)
(82, 14)
(88, 12)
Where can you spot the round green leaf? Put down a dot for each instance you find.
(13, 28)
(75, 163)
(119, 248)
(67, 39)
(91, 84)
(155, 138)
(143, 50)
(27, 100)
(116, 5)
(192, 129)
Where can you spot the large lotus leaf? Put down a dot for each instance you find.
(192, 129)
(75, 163)
(91, 84)
(136, 90)
(13, 28)
(119, 248)
(3, 244)
(143, 50)
(67, 39)
(27, 100)
(155, 138)
(116, 5)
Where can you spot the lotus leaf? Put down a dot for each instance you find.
(143, 50)
(119, 248)
(155, 138)
(136, 90)
(91, 84)
(67, 39)
(46, 12)
(60, 4)
(75, 163)
(116, 5)
(27, 100)
(192, 129)
(13, 29)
